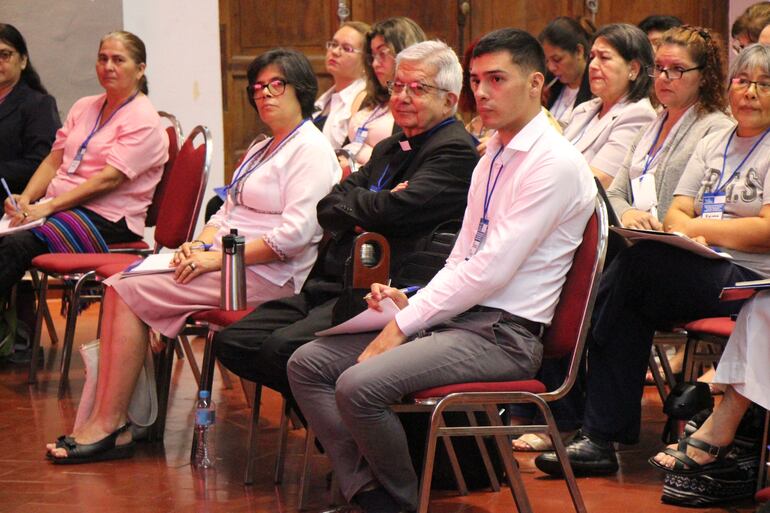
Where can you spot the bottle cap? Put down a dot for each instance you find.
(233, 231)
(204, 394)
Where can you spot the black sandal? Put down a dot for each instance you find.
(685, 465)
(104, 449)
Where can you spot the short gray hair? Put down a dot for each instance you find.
(751, 57)
(439, 56)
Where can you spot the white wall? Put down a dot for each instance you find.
(183, 66)
(63, 39)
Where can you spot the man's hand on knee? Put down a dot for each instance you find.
(391, 336)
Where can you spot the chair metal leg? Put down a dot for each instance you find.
(251, 454)
(515, 482)
(280, 458)
(436, 421)
(657, 378)
(561, 453)
(163, 384)
(46, 311)
(184, 342)
(69, 331)
(304, 480)
(462, 487)
(179, 352)
(42, 292)
(493, 481)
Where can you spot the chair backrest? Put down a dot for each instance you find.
(186, 184)
(569, 327)
(175, 138)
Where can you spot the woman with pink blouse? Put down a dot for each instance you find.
(271, 201)
(96, 184)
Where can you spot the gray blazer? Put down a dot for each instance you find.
(673, 160)
(606, 143)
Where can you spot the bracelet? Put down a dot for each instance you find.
(198, 240)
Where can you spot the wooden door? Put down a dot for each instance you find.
(250, 27)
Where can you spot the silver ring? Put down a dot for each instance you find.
(192, 265)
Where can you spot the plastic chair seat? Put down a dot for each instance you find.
(530, 385)
(68, 263)
(718, 326)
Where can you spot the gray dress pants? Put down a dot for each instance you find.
(347, 403)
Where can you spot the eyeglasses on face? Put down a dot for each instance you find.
(380, 55)
(671, 74)
(5, 55)
(276, 87)
(413, 88)
(346, 48)
(742, 84)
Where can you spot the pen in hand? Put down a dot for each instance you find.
(10, 196)
(407, 290)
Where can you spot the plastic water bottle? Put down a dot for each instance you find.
(205, 417)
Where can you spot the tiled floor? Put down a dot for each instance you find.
(159, 477)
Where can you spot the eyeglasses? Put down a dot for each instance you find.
(671, 74)
(413, 88)
(5, 55)
(275, 87)
(742, 84)
(346, 48)
(380, 55)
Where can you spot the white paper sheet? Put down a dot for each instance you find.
(5, 226)
(153, 264)
(368, 320)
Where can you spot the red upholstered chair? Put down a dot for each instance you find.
(180, 205)
(565, 336)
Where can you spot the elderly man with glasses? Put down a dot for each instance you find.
(414, 181)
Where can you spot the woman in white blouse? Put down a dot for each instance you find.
(271, 201)
(373, 122)
(688, 74)
(603, 128)
(345, 63)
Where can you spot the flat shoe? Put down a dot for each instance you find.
(102, 450)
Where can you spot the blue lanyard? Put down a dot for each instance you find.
(384, 179)
(96, 127)
(440, 125)
(488, 193)
(724, 159)
(242, 169)
(650, 157)
(376, 114)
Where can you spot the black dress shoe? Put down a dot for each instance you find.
(588, 457)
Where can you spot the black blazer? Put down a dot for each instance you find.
(28, 124)
(438, 167)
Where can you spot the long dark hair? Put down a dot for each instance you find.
(567, 33)
(12, 37)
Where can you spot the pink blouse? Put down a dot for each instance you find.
(133, 142)
(378, 123)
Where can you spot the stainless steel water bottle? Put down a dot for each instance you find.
(233, 272)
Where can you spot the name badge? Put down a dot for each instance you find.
(713, 205)
(643, 189)
(405, 146)
(480, 237)
(361, 134)
(76, 161)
